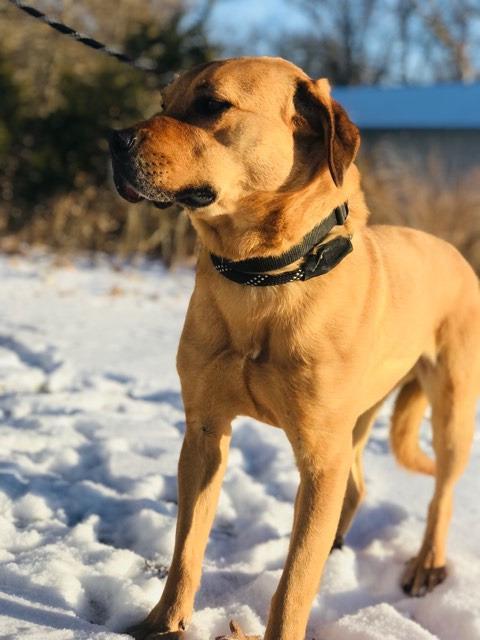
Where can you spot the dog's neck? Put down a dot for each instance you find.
(267, 224)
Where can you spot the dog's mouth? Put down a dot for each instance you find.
(191, 197)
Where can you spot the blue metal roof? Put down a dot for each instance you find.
(448, 106)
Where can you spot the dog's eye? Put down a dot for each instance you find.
(206, 106)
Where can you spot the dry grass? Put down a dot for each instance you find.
(94, 219)
(430, 200)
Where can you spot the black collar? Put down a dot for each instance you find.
(317, 258)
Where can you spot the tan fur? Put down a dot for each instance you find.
(409, 409)
(314, 358)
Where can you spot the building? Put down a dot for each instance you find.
(429, 128)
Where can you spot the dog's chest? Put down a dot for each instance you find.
(267, 364)
(253, 341)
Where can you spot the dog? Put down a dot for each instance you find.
(302, 317)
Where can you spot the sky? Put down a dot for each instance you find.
(254, 26)
(233, 21)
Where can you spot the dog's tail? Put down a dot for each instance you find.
(407, 416)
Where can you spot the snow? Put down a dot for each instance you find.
(443, 106)
(91, 426)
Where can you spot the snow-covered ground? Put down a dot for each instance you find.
(91, 426)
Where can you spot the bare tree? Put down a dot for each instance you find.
(380, 41)
(404, 12)
(451, 25)
(341, 42)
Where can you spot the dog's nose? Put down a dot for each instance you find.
(122, 140)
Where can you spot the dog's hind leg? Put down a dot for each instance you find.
(356, 483)
(453, 429)
(451, 384)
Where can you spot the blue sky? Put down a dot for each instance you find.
(253, 26)
(234, 20)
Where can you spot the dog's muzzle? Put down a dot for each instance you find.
(122, 145)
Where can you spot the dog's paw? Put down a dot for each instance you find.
(237, 633)
(418, 580)
(145, 631)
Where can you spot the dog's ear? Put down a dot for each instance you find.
(329, 120)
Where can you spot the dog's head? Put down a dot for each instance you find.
(231, 129)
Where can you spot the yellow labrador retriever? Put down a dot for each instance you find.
(302, 317)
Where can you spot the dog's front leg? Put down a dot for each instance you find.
(200, 472)
(324, 463)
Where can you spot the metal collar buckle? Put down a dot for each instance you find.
(313, 260)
